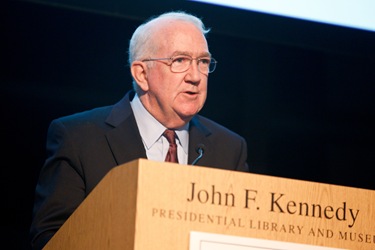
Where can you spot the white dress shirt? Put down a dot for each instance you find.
(151, 131)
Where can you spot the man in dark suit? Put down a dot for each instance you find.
(170, 63)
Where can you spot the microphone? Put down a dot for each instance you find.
(200, 148)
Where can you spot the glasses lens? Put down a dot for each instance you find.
(180, 64)
(206, 65)
(212, 65)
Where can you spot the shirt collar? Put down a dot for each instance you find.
(151, 130)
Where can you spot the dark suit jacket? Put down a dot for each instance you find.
(83, 147)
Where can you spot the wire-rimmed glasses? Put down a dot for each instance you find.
(181, 63)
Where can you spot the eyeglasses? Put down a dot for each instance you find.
(182, 63)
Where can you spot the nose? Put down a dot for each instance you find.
(193, 74)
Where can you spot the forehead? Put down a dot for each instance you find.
(173, 35)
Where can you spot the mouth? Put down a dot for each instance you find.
(191, 92)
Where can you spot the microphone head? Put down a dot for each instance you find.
(200, 148)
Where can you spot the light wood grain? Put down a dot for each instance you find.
(145, 205)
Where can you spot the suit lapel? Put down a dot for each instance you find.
(124, 139)
(199, 134)
(126, 142)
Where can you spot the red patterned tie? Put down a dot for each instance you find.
(172, 151)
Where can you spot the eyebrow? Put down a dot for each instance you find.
(187, 53)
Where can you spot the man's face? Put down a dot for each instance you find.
(174, 98)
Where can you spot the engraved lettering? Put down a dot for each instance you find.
(211, 196)
(341, 213)
(250, 195)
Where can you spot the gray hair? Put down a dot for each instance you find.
(140, 43)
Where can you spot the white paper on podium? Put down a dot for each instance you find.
(210, 241)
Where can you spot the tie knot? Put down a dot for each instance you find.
(170, 135)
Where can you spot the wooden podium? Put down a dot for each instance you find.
(145, 205)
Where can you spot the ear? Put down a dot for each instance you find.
(138, 70)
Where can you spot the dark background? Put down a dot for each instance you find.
(301, 93)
